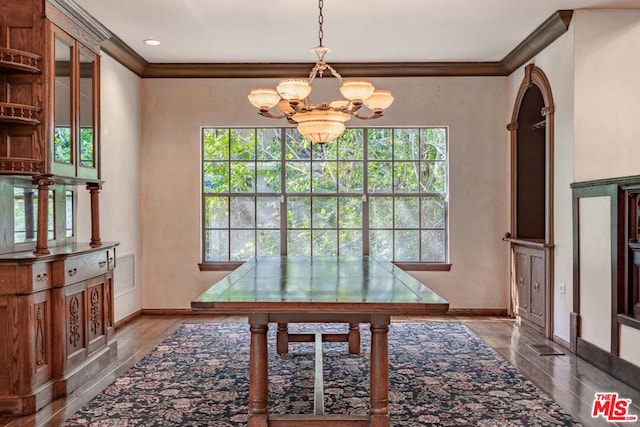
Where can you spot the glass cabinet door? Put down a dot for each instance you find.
(87, 137)
(74, 140)
(63, 140)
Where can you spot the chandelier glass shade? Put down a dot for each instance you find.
(325, 121)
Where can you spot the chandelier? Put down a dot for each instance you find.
(325, 121)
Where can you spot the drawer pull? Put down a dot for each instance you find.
(102, 264)
(72, 272)
(42, 277)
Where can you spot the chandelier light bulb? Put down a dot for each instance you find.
(379, 100)
(263, 98)
(357, 90)
(294, 89)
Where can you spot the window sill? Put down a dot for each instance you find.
(632, 322)
(423, 266)
(220, 265)
(407, 266)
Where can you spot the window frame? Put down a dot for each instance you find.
(365, 194)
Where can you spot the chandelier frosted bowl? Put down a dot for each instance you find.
(325, 121)
(321, 125)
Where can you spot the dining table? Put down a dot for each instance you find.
(319, 289)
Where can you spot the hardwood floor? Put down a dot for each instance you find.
(571, 381)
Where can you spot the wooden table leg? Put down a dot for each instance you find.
(282, 338)
(379, 410)
(354, 338)
(258, 373)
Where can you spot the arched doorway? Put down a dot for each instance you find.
(531, 234)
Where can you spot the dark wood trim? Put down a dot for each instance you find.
(175, 312)
(618, 272)
(219, 266)
(594, 185)
(555, 26)
(528, 243)
(128, 319)
(77, 22)
(423, 266)
(552, 28)
(574, 330)
(613, 365)
(629, 321)
(407, 266)
(479, 312)
(122, 53)
(469, 312)
(350, 69)
(600, 188)
(561, 342)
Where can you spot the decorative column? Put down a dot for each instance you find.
(43, 184)
(94, 190)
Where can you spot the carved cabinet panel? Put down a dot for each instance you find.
(523, 282)
(530, 283)
(41, 359)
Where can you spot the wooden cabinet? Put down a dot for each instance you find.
(56, 323)
(56, 295)
(530, 284)
(49, 117)
(49, 89)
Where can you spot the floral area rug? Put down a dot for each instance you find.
(440, 374)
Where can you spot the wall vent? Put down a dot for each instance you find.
(124, 274)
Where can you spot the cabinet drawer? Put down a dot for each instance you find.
(84, 267)
(41, 275)
(111, 259)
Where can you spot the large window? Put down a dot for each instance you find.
(376, 191)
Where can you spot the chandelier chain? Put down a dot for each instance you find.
(320, 21)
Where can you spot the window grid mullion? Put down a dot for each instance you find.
(365, 195)
(283, 194)
(393, 195)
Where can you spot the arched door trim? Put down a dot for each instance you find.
(535, 76)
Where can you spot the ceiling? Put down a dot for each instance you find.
(267, 31)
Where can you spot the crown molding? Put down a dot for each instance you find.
(276, 70)
(121, 52)
(555, 26)
(78, 22)
(552, 28)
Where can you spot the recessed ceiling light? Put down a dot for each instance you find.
(152, 42)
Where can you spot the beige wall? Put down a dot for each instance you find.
(607, 89)
(556, 62)
(474, 108)
(120, 196)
